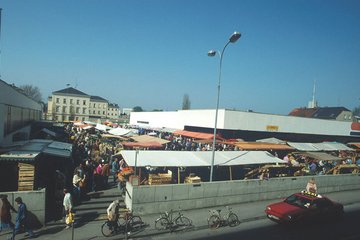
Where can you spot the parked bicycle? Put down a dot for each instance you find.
(168, 221)
(216, 220)
(124, 225)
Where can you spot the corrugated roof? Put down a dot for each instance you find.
(32, 149)
(19, 156)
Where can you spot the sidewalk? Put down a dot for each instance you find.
(246, 212)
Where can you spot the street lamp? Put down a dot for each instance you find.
(233, 38)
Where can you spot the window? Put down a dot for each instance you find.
(84, 111)
(94, 105)
(104, 112)
(64, 109)
(77, 110)
(99, 112)
(84, 102)
(64, 100)
(57, 109)
(78, 102)
(94, 112)
(71, 101)
(57, 100)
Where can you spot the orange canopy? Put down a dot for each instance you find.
(197, 135)
(143, 144)
(260, 146)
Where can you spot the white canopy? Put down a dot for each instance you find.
(102, 127)
(119, 131)
(333, 146)
(125, 132)
(196, 158)
(324, 146)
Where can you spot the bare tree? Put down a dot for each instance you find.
(186, 102)
(32, 92)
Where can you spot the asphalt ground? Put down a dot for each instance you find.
(246, 212)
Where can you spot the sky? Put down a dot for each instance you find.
(150, 53)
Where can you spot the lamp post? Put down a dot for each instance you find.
(233, 38)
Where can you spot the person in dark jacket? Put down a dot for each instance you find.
(5, 215)
(21, 219)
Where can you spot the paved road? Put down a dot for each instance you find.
(253, 225)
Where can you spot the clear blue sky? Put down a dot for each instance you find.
(150, 53)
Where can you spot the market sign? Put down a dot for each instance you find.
(272, 128)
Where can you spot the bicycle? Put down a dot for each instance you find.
(167, 221)
(124, 225)
(215, 219)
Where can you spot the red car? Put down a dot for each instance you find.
(304, 207)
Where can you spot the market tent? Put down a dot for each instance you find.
(324, 146)
(113, 136)
(260, 146)
(271, 140)
(147, 138)
(102, 127)
(356, 144)
(321, 156)
(196, 158)
(142, 144)
(332, 146)
(196, 135)
(303, 146)
(119, 131)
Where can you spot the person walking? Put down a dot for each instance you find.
(21, 219)
(67, 203)
(5, 215)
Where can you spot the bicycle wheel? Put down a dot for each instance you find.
(233, 220)
(183, 221)
(136, 222)
(161, 223)
(214, 222)
(108, 229)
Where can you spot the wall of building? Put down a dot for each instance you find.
(16, 112)
(35, 203)
(158, 198)
(74, 107)
(238, 120)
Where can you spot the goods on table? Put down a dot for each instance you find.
(161, 178)
(192, 179)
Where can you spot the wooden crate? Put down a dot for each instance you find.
(161, 178)
(193, 179)
(26, 177)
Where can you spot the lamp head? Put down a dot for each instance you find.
(211, 53)
(234, 37)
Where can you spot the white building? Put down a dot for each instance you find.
(70, 104)
(17, 112)
(250, 125)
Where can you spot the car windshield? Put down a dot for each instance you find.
(298, 201)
